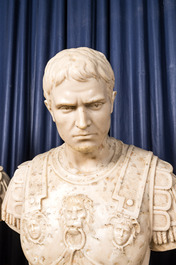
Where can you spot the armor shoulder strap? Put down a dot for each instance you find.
(36, 184)
(130, 185)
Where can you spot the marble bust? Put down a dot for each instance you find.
(94, 200)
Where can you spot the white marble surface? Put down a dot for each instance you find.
(94, 200)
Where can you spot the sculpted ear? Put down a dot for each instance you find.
(49, 108)
(114, 93)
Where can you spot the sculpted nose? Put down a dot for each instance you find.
(121, 232)
(82, 119)
(74, 215)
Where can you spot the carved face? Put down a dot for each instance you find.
(75, 214)
(34, 229)
(122, 233)
(82, 112)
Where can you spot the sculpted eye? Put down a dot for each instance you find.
(95, 105)
(66, 108)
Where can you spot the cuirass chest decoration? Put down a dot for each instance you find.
(34, 227)
(76, 221)
(84, 223)
(125, 230)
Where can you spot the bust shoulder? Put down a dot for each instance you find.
(13, 201)
(15, 195)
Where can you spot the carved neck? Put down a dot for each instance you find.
(79, 162)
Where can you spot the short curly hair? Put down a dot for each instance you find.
(79, 64)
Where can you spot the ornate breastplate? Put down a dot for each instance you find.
(96, 220)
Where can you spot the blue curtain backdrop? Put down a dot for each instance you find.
(139, 39)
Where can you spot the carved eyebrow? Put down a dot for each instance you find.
(60, 105)
(102, 100)
(67, 104)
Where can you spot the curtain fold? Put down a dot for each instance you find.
(139, 39)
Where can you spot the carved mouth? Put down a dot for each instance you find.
(74, 225)
(85, 135)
